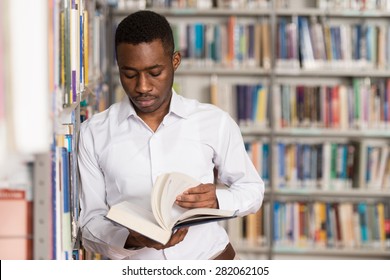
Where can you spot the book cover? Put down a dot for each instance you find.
(199, 46)
(254, 227)
(241, 104)
(363, 220)
(67, 54)
(266, 44)
(231, 26)
(261, 105)
(258, 44)
(281, 45)
(251, 39)
(85, 47)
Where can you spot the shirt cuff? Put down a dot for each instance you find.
(225, 199)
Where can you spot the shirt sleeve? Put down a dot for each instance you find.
(99, 235)
(245, 191)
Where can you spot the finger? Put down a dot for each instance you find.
(191, 197)
(147, 242)
(199, 197)
(177, 237)
(202, 188)
(197, 204)
(201, 193)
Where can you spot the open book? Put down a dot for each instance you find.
(166, 216)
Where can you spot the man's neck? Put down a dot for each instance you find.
(154, 119)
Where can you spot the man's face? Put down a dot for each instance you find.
(146, 73)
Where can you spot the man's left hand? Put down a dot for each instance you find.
(201, 196)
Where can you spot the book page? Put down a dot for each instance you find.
(138, 219)
(157, 194)
(176, 184)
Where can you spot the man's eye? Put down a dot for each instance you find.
(128, 76)
(155, 74)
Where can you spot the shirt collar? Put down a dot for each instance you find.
(126, 109)
(177, 107)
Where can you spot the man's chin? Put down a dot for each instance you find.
(146, 109)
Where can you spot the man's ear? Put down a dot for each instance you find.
(176, 60)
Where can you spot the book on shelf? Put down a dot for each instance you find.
(331, 224)
(375, 164)
(255, 227)
(166, 216)
(265, 44)
(361, 105)
(62, 221)
(233, 43)
(316, 165)
(251, 105)
(286, 44)
(258, 152)
(333, 45)
(251, 230)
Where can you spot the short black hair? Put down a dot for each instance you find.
(145, 27)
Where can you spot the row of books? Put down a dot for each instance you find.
(316, 224)
(362, 105)
(325, 166)
(232, 43)
(69, 47)
(300, 42)
(376, 165)
(193, 4)
(252, 102)
(328, 165)
(355, 5)
(70, 33)
(331, 224)
(248, 103)
(64, 194)
(253, 229)
(331, 45)
(333, 165)
(78, 59)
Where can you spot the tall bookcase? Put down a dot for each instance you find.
(79, 59)
(54, 78)
(307, 81)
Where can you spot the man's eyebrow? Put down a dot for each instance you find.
(145, 69)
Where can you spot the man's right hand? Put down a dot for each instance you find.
(138, 240)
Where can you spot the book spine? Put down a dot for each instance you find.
(67, 54)
(86, 47)
(66, 245)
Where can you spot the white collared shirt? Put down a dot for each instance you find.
(120, 158)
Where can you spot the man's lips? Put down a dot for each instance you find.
(145, 101)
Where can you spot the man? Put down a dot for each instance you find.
(153, 131)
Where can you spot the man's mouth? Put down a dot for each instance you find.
(145, 101)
